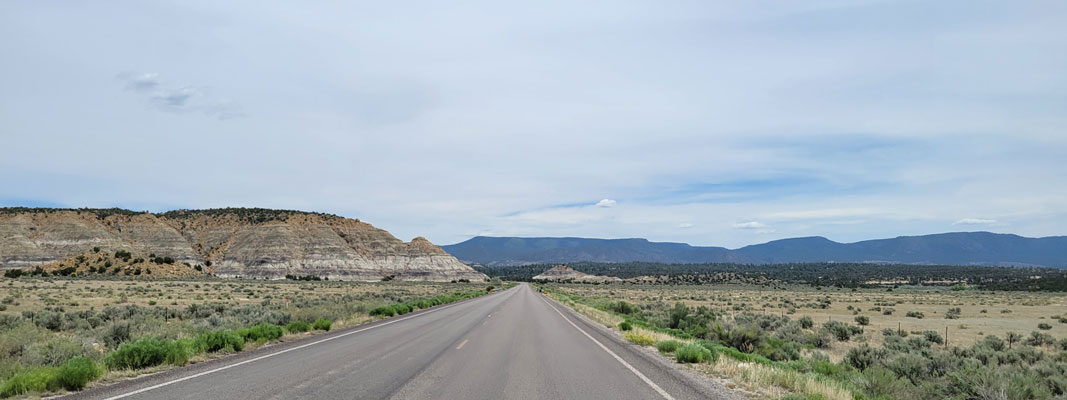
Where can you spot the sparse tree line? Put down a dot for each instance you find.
(849, 275)
(102, 263)
(251, 215)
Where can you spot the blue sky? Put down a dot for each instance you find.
(712, 123)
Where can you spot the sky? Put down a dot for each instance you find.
(711, 123)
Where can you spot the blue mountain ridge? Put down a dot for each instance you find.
(956, 248)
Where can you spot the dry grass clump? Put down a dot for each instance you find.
(778, 382)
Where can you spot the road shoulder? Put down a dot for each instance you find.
(650, 362)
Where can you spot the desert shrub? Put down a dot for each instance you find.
(933, 337)
(735, 354)
(864, 356)
(780, 350)
(145, 353)
(764, 322)
(1044, 326)
(322, 324)
(863, 320)
(999, 383)
(261, 331)
(806, 322)
(744, 338)
(897, 343)
(1054, 375)
(820, 339)
(668, 346)
(694, 353)
(953, 313)
(420, 304)
(53, 350)
(77, 372)
(383, 311)
(1021, 356)
(840, 330)
(1040, 339)
(622, 307)
(992, 342)
(791, 332)
(40, 379)
(625, 326)
(116, 334)
(914, 314)
(907, 365)
(888, 311)
(881, 383)
(215, 341)
(298, 326)
(639, 339)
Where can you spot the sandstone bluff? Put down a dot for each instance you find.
(563, 273)
(231, 242)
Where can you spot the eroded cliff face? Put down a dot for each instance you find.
(229, 242)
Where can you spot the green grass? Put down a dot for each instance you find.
(262, 331)
(212, 342)
(404, 308)
(72, 375)
(694, 353)
(298, 327)
(78, 372)
(668, 346)
(147, 352)
(38, 380)
(322, 324)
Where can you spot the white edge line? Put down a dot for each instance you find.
(142, 390)
(617, 358)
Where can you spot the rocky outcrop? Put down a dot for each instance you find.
(235, 242)
(563, 273)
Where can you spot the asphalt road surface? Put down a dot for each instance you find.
(515, 344)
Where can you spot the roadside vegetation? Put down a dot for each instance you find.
(804, 343)
(63, 333)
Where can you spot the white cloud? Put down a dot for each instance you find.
(606, 203)
(749, 225)
(685, 225)
(178, 99)
(975, 221)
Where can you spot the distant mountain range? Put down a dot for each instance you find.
(959, 248)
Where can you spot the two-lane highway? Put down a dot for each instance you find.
(515, 344)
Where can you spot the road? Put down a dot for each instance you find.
(515, 344)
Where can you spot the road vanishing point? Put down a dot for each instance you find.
(513, 344)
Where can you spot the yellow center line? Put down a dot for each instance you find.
(461, 345)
